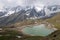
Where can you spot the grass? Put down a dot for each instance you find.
(55, 21)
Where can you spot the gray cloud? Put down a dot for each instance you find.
(28, 2)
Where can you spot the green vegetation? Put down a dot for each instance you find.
(55, 35)
(8, 34)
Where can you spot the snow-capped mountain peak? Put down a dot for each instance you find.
(36, 11)
(38, 8)
(8, 13)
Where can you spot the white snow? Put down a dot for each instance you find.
(9, 13)
(38, 8)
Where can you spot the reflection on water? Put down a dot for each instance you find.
(38, 30)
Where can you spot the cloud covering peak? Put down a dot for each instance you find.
(11, 3)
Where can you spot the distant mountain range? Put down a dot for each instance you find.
(54, 7)
(15, 14)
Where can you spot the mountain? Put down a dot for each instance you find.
(53, 7)
(19, 14)
(16, 14)
(2, 12)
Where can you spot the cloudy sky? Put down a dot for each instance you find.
(11, 3)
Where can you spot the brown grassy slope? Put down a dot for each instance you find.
(26, 22)
(55, 21)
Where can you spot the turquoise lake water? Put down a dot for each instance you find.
(38, 30)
